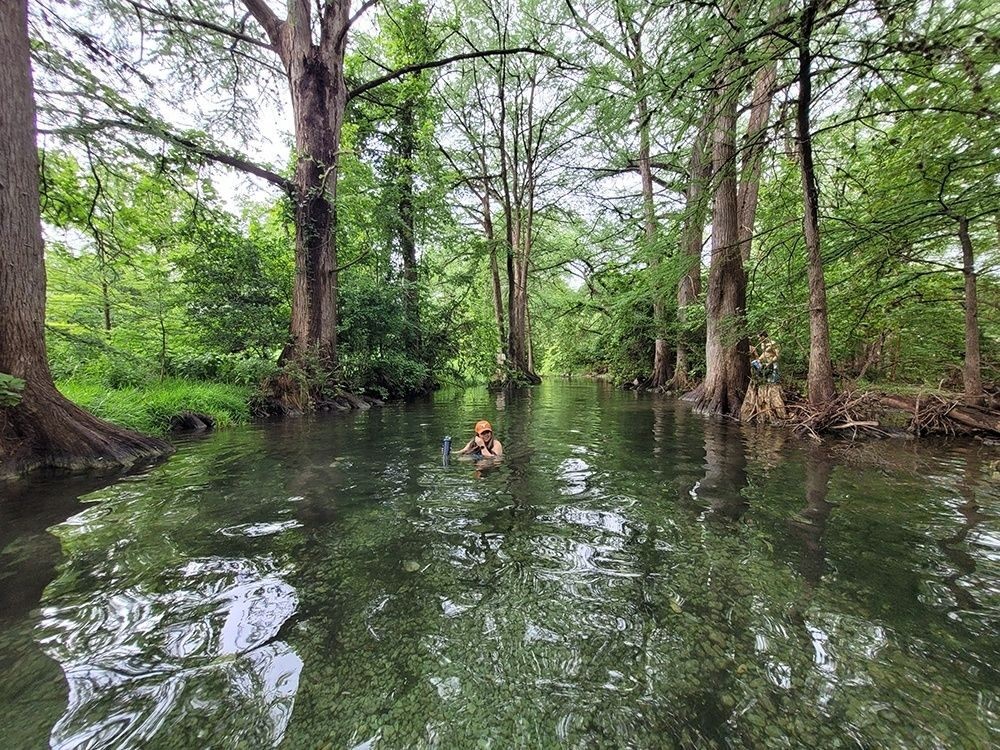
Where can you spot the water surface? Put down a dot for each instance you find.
(632, 575)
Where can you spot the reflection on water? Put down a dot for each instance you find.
(630, 575)
(200, 652)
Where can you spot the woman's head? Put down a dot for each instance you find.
(484, 429)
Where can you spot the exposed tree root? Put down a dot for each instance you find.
(47, 430)
(934, 414)
(288, 394)
(513, 379)
(695, 394)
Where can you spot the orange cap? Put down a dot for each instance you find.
(482, 424)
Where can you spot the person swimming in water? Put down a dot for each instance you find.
(483, 444)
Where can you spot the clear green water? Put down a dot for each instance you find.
(632, 575)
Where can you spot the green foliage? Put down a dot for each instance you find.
(10, 390)
(150, 278)
(374, 330)
(238, 287)
(149, 408)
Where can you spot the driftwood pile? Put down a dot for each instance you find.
(850, 413)
(855, 413)
(935, 415)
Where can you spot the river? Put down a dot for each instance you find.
(631, 575)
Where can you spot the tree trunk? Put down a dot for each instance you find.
(971, 373)
(661, 349)
(727, 366)
(318, 92)
(407, 229)
(531, 350)
(753, 146)
(699, 174)
(518, 302)
(820, 377)
(44, 428)
(491, 242)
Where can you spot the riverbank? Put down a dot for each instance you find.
(895, 409)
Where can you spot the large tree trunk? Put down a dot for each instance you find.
(727, 366)
(316, 78)
(820, 377)
(971, 373)
(44, 429)
(699, 174)
(318, 92)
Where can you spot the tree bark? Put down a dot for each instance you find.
(407, 227)
(972, 371)
(727, 366)
(517, 197)
(699, 174)
(755, 141)
(820, 378)
(318, 92)
(44, 428)
(661, 349)
(491, 242)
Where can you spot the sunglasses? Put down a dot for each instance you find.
(485, 432)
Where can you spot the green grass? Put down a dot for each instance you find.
(150, 407)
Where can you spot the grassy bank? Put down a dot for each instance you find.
(148, 408)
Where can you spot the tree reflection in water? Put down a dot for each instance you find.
(721, 489)
(199, 653)
(954, 545)
(809, 524)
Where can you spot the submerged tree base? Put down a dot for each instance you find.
(513, 380)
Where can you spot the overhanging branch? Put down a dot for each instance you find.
(147, 128)
(417, 67)
(201, 23)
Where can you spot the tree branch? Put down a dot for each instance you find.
(417, 67)
(231, 33)
(267, 19)
(147, 128)
(351, 21)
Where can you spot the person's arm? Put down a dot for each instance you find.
(469, 447)
(497, 448)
